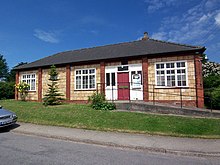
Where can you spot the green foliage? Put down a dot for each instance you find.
(212, 91)
(53, 97)
(211, 83)
(3, 68)
(7, 90)
(83, 116)
(22, 88)
(98, 102)
(215, 95)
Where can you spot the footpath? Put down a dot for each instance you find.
(144, 142)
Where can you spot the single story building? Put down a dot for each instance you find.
(147, 70)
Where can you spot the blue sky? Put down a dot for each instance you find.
(33, 29)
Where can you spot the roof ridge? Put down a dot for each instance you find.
(175, 43)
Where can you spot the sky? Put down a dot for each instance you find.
(34, 29)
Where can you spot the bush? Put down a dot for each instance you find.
(215, 96)
(98, 102)
(7, 90)
(212, 91)
(22, 88)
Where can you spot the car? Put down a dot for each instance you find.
(7, 117)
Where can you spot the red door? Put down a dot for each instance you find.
(123, 86)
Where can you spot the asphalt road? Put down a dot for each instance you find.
(18, 149)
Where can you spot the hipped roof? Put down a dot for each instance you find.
(148, 47)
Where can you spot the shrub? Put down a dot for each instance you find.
(22, 88)
(215, 96)
(7, 90)
(98, 102)
(212, 91)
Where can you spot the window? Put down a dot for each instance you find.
(110, 79)
(171, 74)
(31, 80)
(85, 79)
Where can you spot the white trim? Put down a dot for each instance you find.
(111, 91)
(81, 75)
(25, 74)
(165, 73)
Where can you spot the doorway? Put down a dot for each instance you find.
(123, 86)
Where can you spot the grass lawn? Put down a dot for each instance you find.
(83, 116)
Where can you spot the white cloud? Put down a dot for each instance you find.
(50, 37)
(159, 36)
(154, 5)
(196, 25)
(217, 19)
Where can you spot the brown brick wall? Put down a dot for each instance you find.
(68, 82)
(16, 81)
(39, 84)
(169, 94)
(199, 81)
(80, 95)
(61, 83)
(32, 95)
(145, 79)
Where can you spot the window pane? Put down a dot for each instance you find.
(113, 79)
(33, 84)
(92, 81)
(177, 64)
(183, 78)
(85, 71)
(107, 79)
(78, 72)
(160, 80)
(182, 64)
(78, 82)
(85, 82)
(92, 71)
(158, 66)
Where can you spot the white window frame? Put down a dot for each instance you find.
(176, 74)
(81, 81)
(27, 78)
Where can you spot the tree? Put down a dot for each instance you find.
(53, 97)
(211, 79)
(3, 68)
(11, 74)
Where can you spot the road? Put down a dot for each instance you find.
(18, 149)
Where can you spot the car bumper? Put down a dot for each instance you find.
(8, 123)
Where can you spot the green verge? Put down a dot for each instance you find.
(83, 116)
